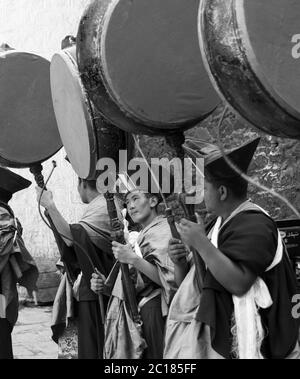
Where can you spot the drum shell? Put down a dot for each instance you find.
(234, 77)
(88, 57)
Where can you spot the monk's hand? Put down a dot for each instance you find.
(192, 233)
(177, 251)
(46, 197)
(123, 253)
(97, 282)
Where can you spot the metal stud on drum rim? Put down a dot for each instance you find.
(237, 55)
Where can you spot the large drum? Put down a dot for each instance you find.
(251, 48)
(85, 135)
(28, 129)
(141, 64)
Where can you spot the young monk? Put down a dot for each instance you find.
(245, 307)
(154, 271)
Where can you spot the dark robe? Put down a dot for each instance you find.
(153, 328)
(87, 308)
(6, 351)
(250, 239)
(16, 266)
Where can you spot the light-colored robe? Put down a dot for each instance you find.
(123, 339)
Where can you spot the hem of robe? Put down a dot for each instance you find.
(6, 348)
(193, 341)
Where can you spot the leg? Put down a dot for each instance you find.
(153, 328)
(90, 331)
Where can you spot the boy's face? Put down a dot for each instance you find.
(140, 206)
(211, 198)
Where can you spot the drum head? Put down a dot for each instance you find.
(29, 132)
(270, 34)
(73, 113)
(151, 62)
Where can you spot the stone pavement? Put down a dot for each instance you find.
(32, 334)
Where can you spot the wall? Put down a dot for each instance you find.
(276, 163)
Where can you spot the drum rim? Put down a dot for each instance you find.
(71, 65)
(253, 61)
(228, 98)
(114, 94)
(15, 163)
(19, 165)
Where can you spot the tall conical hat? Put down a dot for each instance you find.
(11, 182)
(217, 167)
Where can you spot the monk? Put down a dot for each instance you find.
(84, 247)
(16, 264)
(244, 309)
(154, 278)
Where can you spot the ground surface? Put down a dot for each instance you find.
(32, 334)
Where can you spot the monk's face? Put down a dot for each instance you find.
(211, 198)
(141, 207)
(82, 190)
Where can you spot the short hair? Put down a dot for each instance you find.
(237, 186)
(92, 184)
(157, 196)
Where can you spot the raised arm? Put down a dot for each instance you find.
(58, 220)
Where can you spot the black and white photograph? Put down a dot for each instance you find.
(149, 182)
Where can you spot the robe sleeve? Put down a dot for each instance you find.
(250, 239)
(67, 254)
(91, 257)
(154, 247)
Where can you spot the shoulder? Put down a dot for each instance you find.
(250, 238)
(163, 227)
(252, 222)
(158, 234)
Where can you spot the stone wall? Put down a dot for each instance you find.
(276, 163)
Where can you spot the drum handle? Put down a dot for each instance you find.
(129, 288)
(177, 141)
(37, 170)
(199, 262)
